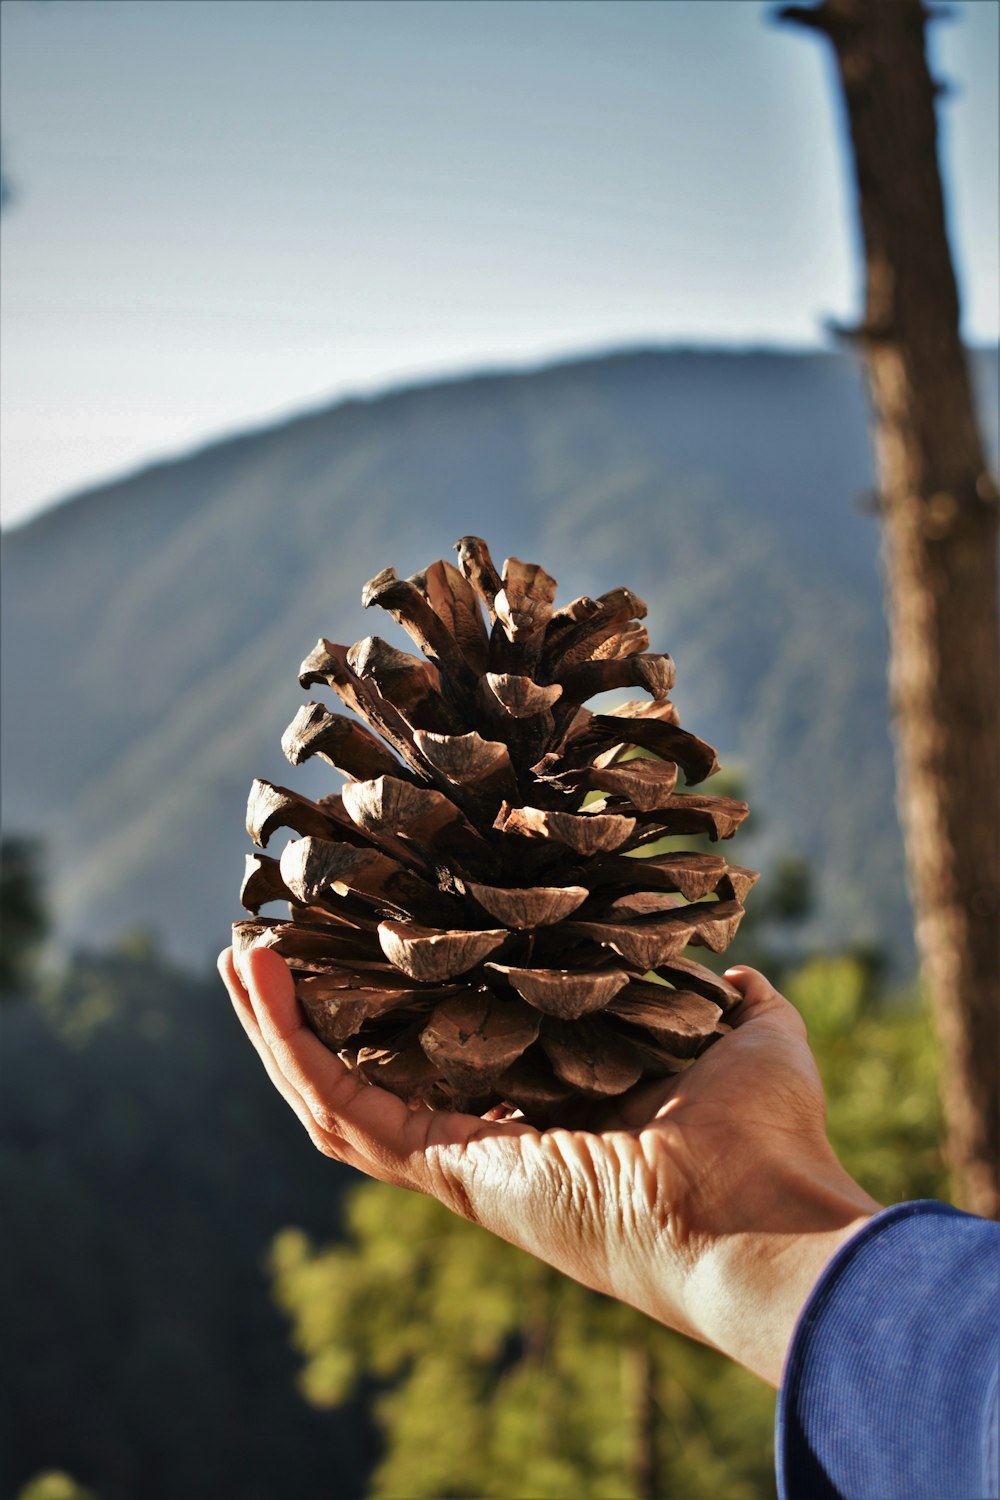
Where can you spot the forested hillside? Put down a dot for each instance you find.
(146, 1164)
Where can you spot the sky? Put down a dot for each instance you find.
(223, 212)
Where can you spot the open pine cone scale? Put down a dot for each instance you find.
(468, 925)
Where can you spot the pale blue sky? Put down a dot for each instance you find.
(228, 210)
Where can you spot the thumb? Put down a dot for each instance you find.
(760, 998)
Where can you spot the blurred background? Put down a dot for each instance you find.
(291, 292)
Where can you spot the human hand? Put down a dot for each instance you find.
(710, 1201)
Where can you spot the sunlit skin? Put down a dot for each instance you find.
(711, 1202)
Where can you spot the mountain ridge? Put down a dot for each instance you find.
(324, 406)
(153, 626)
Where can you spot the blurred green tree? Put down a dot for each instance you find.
(53, 1484)
(494, 1376)
(23, 918)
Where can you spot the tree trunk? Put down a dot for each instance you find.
(638, 1391)
(939, 513)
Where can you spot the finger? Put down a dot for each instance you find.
(760, 999)
(388, 1136)
(318, 1077)
(327, 1141)
(248, 1020)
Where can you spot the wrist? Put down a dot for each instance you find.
(747, 1289)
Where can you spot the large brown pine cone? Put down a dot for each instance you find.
(467, 927)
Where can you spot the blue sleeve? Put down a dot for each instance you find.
(890, 1385)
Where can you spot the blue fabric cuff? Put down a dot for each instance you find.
(890, 1385)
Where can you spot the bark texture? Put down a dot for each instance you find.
(939, 516)
(638, 1390)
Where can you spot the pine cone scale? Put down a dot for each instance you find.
(566, 993)
(536, 906)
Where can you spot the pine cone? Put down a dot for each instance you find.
(468, 928)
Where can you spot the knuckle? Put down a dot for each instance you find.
(447, 1184)
(327, 1143)
(326, 1121)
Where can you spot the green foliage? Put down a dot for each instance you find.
(53, 1484)
(878, 1058)
(493, 1376)
(789, 896)
(23, 919)
(496, 1376)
